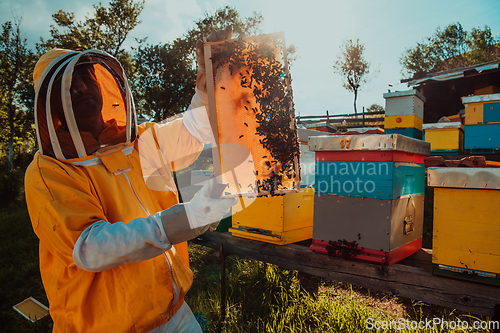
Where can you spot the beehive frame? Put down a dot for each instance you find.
(257, 69)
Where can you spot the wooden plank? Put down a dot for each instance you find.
(398, 279)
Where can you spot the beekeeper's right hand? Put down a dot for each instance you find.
(189, 220)
(104, 245)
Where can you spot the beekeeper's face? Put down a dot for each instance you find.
(85, 93)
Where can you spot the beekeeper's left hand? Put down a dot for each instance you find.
(215, 36)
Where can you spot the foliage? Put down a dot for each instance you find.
(220, 19)
(166, 74)
(16, 93)
(106, 30)
(375, 108)
(352, 66)
(164, 81)
(450, 48)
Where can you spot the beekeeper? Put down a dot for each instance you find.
(113, 251)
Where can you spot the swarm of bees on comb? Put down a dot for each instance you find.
(263, 111)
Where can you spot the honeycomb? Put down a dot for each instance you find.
(256, 129)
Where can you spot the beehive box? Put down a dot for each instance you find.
(401, 103)
(281, 219)
(278, 220)
(256, 149)
(445, 138)
(407, 121)
(482, 109)
(483, 138)
(466, 228)
(306, 156)
(410, 132)
(404, 113)
(369, 196)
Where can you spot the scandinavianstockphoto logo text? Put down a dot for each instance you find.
(350, 177)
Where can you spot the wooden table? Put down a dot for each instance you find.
(411, 278)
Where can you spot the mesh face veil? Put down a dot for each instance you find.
(59, 133)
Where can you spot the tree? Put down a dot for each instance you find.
(107, 30)
(450, 48)
(352, 66)
(165, 81)
(166, 74)
(16, 100)
(375, 108)
(15, 72)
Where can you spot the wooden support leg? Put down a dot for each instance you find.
(223, 295)
(496, 317)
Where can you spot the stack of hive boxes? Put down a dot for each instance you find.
(466, 228)
(404, 113)
(482, 122)
(369, 196)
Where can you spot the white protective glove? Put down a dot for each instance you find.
(204, 209)
(186, 221)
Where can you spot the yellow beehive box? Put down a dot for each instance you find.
(278, 220)
(403, 121)
(475, 106)
(445, 138)
(466, 228)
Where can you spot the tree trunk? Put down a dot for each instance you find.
(10, 105)
(355, 98)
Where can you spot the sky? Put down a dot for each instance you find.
(317, 28)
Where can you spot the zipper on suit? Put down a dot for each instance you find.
(174, 284)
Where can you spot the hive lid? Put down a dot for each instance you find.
(477, 178)
(394, 142)
(481, 98)
(451, 124)
(412, 92)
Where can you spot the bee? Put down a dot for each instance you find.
(246, 123)
(241, 136)
(224, 88)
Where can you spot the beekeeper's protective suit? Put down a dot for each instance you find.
(113, 252)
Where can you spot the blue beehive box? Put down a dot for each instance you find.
(482, 137)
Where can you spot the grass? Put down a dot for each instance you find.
(260, 297)
(20, 273)
(265, 298)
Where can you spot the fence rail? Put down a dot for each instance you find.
(344, 121)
